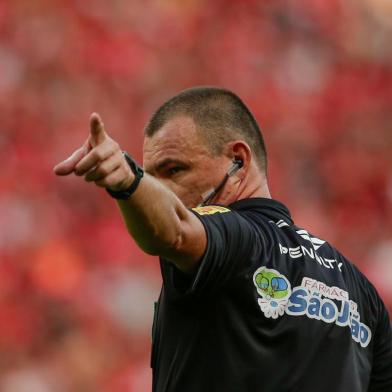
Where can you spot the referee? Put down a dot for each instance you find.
(249, 301)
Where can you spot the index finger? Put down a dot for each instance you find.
(97, 130)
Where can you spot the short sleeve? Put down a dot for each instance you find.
(381, 378)
(234, 242)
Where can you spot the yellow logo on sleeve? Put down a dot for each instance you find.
(210, 210)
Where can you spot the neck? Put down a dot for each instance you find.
(256, 187)
(254, 184)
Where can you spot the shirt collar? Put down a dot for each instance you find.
(274, 209)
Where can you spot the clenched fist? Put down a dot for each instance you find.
(100, 159)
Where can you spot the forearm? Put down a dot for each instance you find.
(154, 217)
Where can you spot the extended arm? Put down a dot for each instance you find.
(154, 216)
(161, 225)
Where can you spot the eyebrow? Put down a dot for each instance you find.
(167, 161)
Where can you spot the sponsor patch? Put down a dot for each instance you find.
(312, 299)
(274, 289)
(210, 210)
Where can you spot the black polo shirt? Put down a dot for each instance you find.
(271, 308)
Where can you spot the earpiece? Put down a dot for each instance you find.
(237, 164)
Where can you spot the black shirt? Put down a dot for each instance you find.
(271, 308)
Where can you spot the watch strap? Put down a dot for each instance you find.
(137, 171)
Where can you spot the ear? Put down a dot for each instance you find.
(240, 150)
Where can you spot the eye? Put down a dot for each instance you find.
(264, 284)
(278, 284)
(174, 170)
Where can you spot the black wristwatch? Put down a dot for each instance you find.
(137, 171)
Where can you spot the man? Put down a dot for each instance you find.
(250, 301)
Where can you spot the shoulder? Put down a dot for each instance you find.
(241, 221)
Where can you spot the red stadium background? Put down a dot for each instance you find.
(76, 295)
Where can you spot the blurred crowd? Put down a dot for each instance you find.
(76, 294)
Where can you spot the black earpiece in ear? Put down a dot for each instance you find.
(238, 162)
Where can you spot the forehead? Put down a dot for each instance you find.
(177, 139)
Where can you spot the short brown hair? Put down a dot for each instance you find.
(220, 116)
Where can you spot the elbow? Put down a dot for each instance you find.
(163, 245)
(160, 237)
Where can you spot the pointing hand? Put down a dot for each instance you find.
(100, 159)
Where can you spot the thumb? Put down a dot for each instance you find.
(68, 165)
(97, 130)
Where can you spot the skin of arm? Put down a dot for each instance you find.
(154, 216)
(161, 225)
